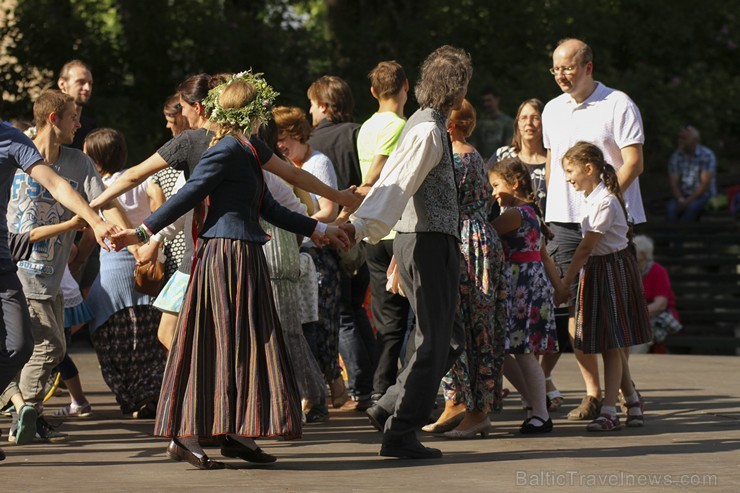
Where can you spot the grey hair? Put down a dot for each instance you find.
(645, 245)
(444, 75)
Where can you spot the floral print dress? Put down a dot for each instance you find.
(476, 377)
(531, 326)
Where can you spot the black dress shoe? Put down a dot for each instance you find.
(178, 452)
(409, 450)
(2, 454)
(377, 416)
(237, 450)
(530, 429)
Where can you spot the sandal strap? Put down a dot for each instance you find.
(633, 404)
(554, 394)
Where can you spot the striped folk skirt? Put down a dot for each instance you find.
(228, 370)
(610, 307)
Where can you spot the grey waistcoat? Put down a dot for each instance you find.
(433, 208)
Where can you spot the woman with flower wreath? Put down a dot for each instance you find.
(228, 374)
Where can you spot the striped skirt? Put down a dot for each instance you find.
(610, 307)
(228, 370)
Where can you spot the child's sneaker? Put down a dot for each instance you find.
(45, 433)
(24, 425)
(74, 411)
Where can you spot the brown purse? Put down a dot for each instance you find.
(148, 278)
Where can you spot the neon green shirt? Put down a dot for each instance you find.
(378, 135)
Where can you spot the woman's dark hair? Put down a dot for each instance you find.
(584, 153)
(195, 88)
(172, 106)
(268, 132)
(514, 171)
(107, 148)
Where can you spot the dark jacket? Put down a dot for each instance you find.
(339, 142)
(230, 175)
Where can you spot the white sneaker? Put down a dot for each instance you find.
(74, 411)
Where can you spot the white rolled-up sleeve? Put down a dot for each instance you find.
(407, 167)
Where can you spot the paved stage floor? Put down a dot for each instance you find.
(691, 442)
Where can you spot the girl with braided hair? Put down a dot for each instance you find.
(531, 276)
(611, 313)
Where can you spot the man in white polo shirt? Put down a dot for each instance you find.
(586, 111)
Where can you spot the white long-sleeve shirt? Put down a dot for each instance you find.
(404, 172)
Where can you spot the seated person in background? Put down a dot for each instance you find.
(692, 170)
(661, 301)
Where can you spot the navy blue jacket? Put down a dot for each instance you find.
(230, 175)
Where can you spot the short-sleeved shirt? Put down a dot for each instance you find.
(16, 152)
(183, 152)
(610, 120)
(320, 166)
(602, 213)
(690, 167)
(31, 205)
(378, 136)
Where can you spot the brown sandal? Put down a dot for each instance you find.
(589, 408)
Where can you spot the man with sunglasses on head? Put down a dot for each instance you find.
(592, 112)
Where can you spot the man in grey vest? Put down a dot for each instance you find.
(416, 195)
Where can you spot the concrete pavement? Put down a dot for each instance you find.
(691, 442)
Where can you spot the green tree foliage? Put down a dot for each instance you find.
(676, 59)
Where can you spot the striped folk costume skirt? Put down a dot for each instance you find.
(228, 369)
(610, 307)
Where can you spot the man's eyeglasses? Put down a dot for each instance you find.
(563, 70)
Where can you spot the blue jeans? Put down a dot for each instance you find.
(356, 339)
(692, 211)
(16, 337)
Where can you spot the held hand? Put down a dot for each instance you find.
(104, 230)
(349, 230)
(339, 237)
(123, 239)
(562, 293)
(350, 198)
(148, 252)
(319, 240)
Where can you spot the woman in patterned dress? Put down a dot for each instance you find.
(472, 387)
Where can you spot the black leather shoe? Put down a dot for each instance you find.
(530, 429)
(409, 450)
(237, 450)
(178, 452)
(2, 455)
(377, 416)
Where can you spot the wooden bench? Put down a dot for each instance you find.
(703, 262)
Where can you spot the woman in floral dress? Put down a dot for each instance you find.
(472, 387)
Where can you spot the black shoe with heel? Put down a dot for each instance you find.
(178, 452)
(236, 450)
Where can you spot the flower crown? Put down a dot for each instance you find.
(259, 110)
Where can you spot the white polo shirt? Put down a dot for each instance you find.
(603, 214)
(608, 119)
